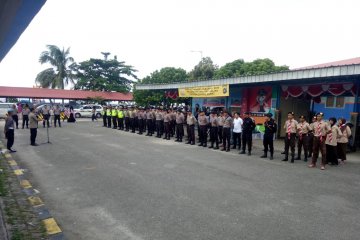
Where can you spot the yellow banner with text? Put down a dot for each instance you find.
(209, 91)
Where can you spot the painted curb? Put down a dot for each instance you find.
(53, 230)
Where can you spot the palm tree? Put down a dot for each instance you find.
(60, 74)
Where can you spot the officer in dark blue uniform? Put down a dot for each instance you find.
(270, 130)
(248, 128)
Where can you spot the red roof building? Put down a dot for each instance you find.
(333, 64)
(40, 93)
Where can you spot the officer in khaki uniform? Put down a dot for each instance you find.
(290, 138)
(203, 124)
(214, 130)
(191, 121)
(179, 125)
(33, 120)
(320, 130)
(303, 129)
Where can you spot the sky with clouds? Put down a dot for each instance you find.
(153, 34)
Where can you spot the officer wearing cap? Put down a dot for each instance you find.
(290, 137)
(303, 129)
(268, 141)
(228, 122)
(191, 121)
(9, 129)
(248, 128)
(33, 127)
(108, 116)
(179, 125)
(320, 130)
(167, 119)
(104, 116)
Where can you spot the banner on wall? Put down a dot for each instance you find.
(209, 91)
(259, 99)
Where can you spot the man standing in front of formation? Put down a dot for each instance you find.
(57, 111)
(46, 116)
(33, 127)
(25, 116)
(290, 138)
(268, 141)
(248, 128)
(320, 130)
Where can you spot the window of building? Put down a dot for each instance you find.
(335, 102)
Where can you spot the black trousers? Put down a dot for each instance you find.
(303, 142)
(132, 124)
(203, 135)
(268, 143)
(127, 123)
(141, 125)
(214, 136)
(153, 127)
(114, 119)
(149, 125)
(93, 117)
(290, 143)
(191, 133)
(15, 117)
(310, 141)
(246, 140)
(167, 130)
(46, 119)
(109, 121)
(33, 134)
(10, 138)
(25, 121)
(104, 120)
(331, 155)
(57, 117)
(237, 139)
(226, 138)
(173, 125)
(220, 133)
(121, 123)
(179, 131)
(158, 128)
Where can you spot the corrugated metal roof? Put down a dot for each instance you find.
(22, 92)
(332, 64)
(293, 75)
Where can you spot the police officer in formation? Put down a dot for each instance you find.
(268, 141)
(248, 128)
(290, 127)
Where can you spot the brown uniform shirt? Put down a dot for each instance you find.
(179, 118)
(191, 120)
(228, 122)
(167, 117)
(214, 121)
(332, 138)
(320, 128)
(221, 121)
(290, 125)
(303, 128)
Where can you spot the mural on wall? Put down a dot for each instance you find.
(214, 102)
(257, 99)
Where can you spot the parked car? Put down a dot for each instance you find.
(3, 109)
(86, 111)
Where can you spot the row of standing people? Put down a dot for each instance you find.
(328, 138)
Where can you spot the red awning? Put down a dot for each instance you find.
(317, 90)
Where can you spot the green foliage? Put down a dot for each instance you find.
(60, 74)
(239, 68)
(104, 75)
(156, 97)
(205, 69)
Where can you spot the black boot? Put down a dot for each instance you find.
(286, 159)
(212, 145)
(264, 155)
(217, 146)
(249, 153)
(292, 159)
(271, 156)
(242, 152)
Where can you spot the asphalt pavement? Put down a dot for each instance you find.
(101, 183)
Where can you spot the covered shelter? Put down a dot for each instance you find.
(44, 93)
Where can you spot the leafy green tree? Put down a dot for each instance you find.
(156, 97)
(60, 74)
(205, 69)
(239, 68)
(105, 75)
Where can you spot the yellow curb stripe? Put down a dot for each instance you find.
(35, 201)
(7, 155)
(25, 184)
(12, 163)
(51, 226)
(18, 172)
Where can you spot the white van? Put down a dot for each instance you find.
(4, 108)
